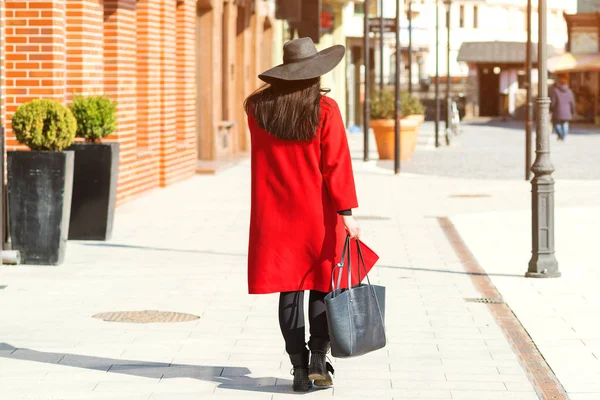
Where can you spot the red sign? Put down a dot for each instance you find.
(326, 19)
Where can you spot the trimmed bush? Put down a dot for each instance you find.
(95, 115)
(44, 125)
(383, 106)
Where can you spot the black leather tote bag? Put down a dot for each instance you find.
(356, 316)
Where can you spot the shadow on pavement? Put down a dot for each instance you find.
(128, 246)
(236, 377)
(445, 271)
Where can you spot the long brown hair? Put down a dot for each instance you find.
(289, 110)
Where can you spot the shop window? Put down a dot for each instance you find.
(462, 16)
(475, 17)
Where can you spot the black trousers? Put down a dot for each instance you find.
(292, 324)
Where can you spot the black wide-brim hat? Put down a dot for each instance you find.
(302, 61)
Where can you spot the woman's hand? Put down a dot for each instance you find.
(351, 226)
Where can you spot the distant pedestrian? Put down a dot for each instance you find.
(302, 198)
(562, 107)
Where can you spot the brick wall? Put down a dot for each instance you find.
(35, 54)
(186, 87)
(84, 47)
(138, 53)
(148, 88)
(144, 55)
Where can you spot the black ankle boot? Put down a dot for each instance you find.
(300, 372)
(320, 369)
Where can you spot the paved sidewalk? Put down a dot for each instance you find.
(183, 249)
(497, 151)
(561, 315)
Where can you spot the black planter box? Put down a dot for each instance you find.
(94, 190)
(39, 196)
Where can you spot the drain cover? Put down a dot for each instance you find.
(145, 317)
(371, 218)
(487, 300)
(469, 196)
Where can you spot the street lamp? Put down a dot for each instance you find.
(410, 61)
(543, 263)
(437, 74)
(366, 111)
(529, 100)
(448, 4)
(381, 47)
(398, 105)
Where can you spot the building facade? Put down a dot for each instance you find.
(324, 21)
(581, 63)
(382, 64)
(178, 70)
(487, 50)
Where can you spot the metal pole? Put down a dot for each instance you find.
(410, 61)
(448, 100)
(367, 105)
(543, 262)
(398, 106)
(437, 74)
(529, 102)
(381, 37)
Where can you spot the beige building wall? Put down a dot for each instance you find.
(336, 80)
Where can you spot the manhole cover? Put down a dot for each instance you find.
(371, 218)
(469, 196)
(487, 300)
(145, 317)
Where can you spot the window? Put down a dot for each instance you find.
(475, 17)
(359, 8)
(462, 16)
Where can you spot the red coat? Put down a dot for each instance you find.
(296, 235)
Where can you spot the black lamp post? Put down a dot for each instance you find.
(543, 263)
(410, 51)
(367, 105)
(381, 46)
(529, 100)
(437, 74)
(448, 4)
(398, 108)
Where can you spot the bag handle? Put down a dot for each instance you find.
(347, 253)
(340, 266)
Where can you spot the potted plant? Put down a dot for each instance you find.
(96, 169)
(382, 123)
(40, 181)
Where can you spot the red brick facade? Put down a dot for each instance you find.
(143, 54)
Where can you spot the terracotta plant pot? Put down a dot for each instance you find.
(384, 136)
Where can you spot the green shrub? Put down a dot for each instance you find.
(95, 115)
(383, 106)
(44, 125)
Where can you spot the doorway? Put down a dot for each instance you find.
(489, 87)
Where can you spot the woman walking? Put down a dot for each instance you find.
(303, 194)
